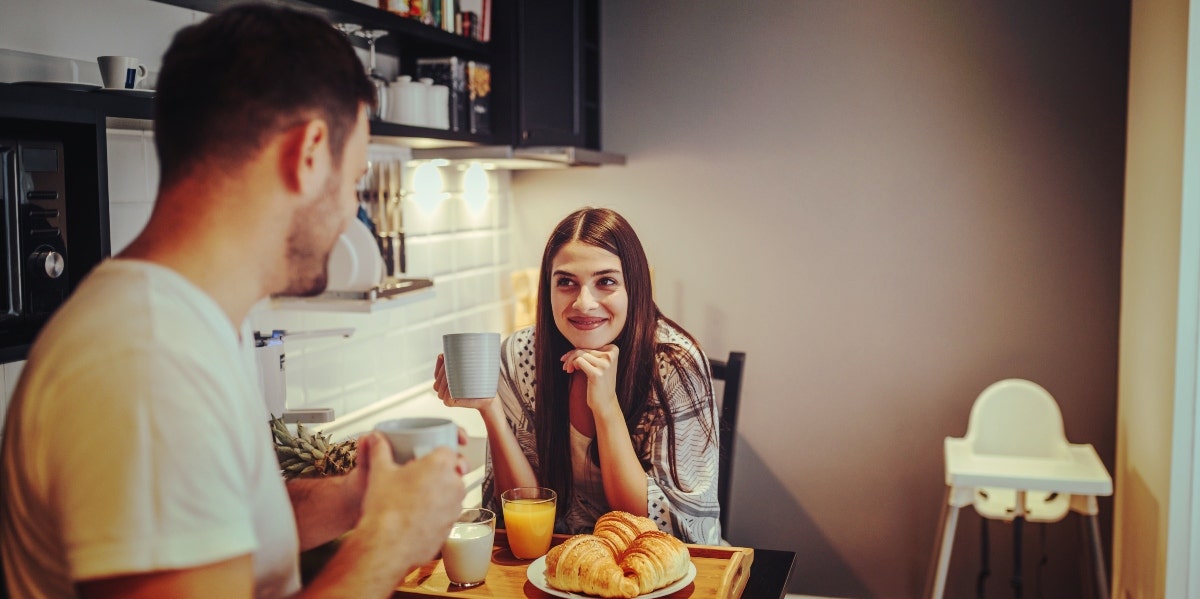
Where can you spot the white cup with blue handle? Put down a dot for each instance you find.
(121, 72)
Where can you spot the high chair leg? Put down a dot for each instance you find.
(1018, 585)
(1097, 557)
(948, 524)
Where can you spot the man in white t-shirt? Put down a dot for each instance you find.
(137, 460)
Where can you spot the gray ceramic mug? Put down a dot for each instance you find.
(472, 362)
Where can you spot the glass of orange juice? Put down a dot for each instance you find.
(529, 520)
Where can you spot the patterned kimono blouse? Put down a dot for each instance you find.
(689, 510)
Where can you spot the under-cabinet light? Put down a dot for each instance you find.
(475, 185)
(429, 189)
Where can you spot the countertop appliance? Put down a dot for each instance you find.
(272, 365)
(53, 207)
(35, 279)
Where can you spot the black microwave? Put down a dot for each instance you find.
(53, 214)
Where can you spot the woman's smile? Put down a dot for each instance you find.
(587, 324)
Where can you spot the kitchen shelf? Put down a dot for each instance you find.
(359, 302)
(53, 99)
(423, 137)
(136, 112)
(405, 34)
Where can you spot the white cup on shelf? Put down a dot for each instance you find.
(412, 104)
(121, 72)
(397, 92)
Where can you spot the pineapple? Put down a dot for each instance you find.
(310, 454)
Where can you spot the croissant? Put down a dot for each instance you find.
(656, 559)
(625, 557)
(620, 528)
(585, 564)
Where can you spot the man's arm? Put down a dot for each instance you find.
(226, 579)
(326, 508)
(407, 511)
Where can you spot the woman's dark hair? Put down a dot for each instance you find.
(232, 81)
(640, 388)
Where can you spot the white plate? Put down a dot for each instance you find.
(537, 575)
(67, 85)
(355, 263)
(145, 93)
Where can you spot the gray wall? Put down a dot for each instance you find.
(888, 205)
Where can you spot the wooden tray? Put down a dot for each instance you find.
(721, 573)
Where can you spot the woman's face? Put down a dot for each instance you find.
(588, 295)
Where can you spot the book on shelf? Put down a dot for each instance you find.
(403, 8)
(468, 18)
(474, 19)
(479, 86)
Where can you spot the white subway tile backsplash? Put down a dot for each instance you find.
(390, 358)
(360, 360)
(426, 220)
(322, 372)
(476, 218)
(443, 255)
(503, 247)
(358, 396)
(418, 258)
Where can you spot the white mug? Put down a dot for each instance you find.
(121, 72)
(414, 437)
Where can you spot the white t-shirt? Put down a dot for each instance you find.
(137, 440)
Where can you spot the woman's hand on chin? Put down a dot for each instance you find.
(600, 366)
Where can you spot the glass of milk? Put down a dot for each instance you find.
(467, 552)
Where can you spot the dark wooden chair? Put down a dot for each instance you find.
(729, 373)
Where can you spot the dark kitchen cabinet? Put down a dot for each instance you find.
(544, 57)
(407, 40)
(555, 51)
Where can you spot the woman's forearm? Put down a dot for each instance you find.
(510, 467)
(620, 470)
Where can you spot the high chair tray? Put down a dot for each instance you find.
(1081, 472)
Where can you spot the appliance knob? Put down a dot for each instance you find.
(49, 262)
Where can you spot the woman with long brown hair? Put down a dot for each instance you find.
(604, 399)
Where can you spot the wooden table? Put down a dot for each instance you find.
(721, 573)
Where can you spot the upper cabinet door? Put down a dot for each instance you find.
(558, 66)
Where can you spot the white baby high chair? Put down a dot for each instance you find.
(1015, 464)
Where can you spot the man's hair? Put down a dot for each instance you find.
(231, 82)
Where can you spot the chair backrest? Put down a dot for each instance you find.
(729, 371)
(1016, 417)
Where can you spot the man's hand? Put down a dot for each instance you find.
(413, 504)
(407, 512)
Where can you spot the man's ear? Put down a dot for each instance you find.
(305, 160)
